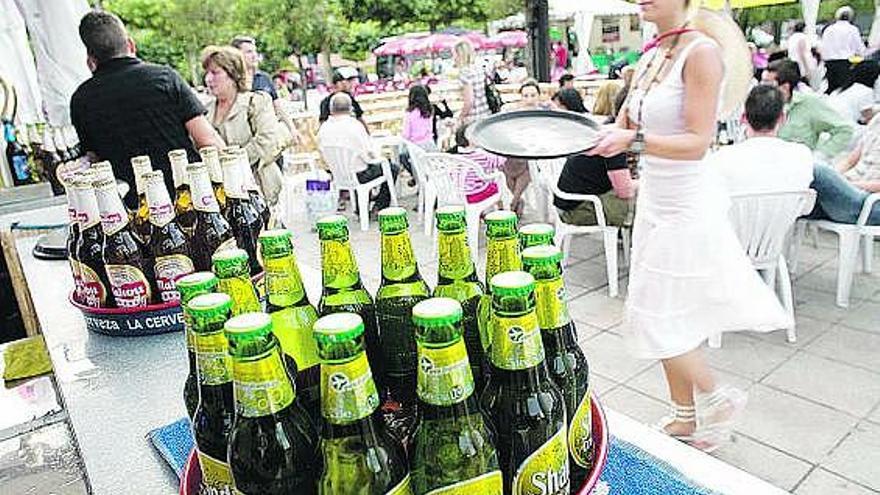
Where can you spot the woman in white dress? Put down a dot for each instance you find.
(689, 277)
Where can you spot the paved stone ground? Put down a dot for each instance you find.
(812, 425)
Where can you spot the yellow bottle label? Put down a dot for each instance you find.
(130, 287)
(444, 375)
(216, 476)
(402, 488)
(455, 257)
(398, 259)
(502, 255)
(242, 292)
(550, 304)
(293, 328)
(283, 284)
(487, 484)
(545, 471)
(516, 342)
(580, 433)
(212, 358)
(348, 392)
(261, 387)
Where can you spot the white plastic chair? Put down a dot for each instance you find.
(447, 176)
(849, 237)
(343, 163)
(549, 171)
(763, 223)
(418, 160)
(544, 174)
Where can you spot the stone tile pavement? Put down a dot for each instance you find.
(812, 425)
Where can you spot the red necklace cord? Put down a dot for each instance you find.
(654, 43)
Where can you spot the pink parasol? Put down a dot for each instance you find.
(399, 46)
(517, 39)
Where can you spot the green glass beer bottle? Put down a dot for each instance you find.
(212, 421)
(525, 406)
(343, 290)
(292, 316)
(454, 452)
(502, 255)
(536, 234)
(457, 279)
(273, 445)
(360, 457)
(190, 286)
(232, 268)
(565, 359)
(401, 288)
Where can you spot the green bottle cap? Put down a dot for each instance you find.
(332, 228)
(249, 325)
(209, 308)
(230, 263)
(501, 223)
(392, 220)
(194, 284)
(512, 284)
(436, 312)
(451, 219)
(337, 328)
(276, 243)
(535, 234)
(541, 255)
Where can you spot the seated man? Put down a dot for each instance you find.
(841, 193)
(810, 120)
(608, 178)
(764, 163)
(342, 129)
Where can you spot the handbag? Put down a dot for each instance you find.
(493, 97)
(268, 174)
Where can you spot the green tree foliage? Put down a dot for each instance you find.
(778, 13)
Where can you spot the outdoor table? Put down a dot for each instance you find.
(117, 389)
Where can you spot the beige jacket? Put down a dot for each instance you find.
(253, 125)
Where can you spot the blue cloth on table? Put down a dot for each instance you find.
(174, 443)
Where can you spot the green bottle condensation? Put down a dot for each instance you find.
(457, 279)
(343, 291)
(232, 268)
(502, 255)
(212, 421)
(190, 286)
(273, 445)
(453, 451)
(402, 288)
(360, 457)
(566, 361)
(526, 408)
(536, 234)
(292, 315)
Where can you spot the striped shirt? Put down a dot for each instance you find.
(475, 77)
(489, 163)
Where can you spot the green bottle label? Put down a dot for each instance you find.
(545, 471)
(346, 297)
(283, 284)
(580, 432)
(348, 392)
(455, 258)
(502, 255)
(516, 342)
(261, 387)
(550, 304)
(212, 358)
(398, 259)
(459, 290)
(487, 484)
(216, 476)
(339, 268)
(402, 488)
(444, 375)
(394, 290)
(241, 290)
(484, 316)
(293, 328)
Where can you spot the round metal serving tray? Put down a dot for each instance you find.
(192, 473)
(535, 134)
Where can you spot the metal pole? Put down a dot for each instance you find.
(538, 25)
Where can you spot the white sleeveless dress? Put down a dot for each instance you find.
(689, 276)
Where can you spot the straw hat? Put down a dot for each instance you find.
(735, 54)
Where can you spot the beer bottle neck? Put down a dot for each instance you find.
(203, 194)
(73, 205)
(550, 297)
(455, 256)
(262, 386)
(159, 203)
(114, 216)
(516, 336)
(348, 391)
(233, 181)
(339, 268)
(212, 357)
(398, 259)
(242, 292)
(284, 286)
(88, 215)
(502, 255)
(444, 376)
(178, 172)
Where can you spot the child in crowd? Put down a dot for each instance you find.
(477, 188)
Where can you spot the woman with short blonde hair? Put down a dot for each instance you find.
(230, 60)
(475, 105)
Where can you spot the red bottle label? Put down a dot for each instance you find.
(92, 292)
(129, 286)
(168, 270)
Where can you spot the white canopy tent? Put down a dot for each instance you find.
(584, 14)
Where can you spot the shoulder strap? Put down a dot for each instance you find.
(686, 51)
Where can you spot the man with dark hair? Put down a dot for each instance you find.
(566, 81)
(260, 80)
(342, 79)
(809, 117)
(764, 163)
(129, 108)
(840, 42)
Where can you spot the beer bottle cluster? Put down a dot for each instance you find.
(407, 393)
(41, 153)
(131, 259)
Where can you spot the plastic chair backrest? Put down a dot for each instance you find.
(548, 170)
(343, 163)
(448, 175)
(762, 222)
(417, 157)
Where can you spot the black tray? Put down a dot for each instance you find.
(535, 134)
